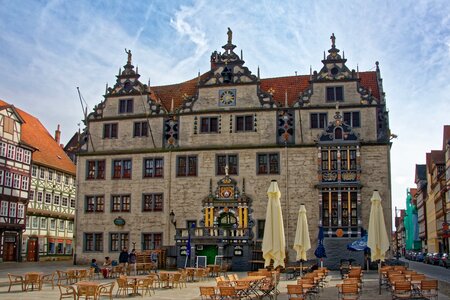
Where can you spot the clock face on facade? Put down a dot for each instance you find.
(227, 97)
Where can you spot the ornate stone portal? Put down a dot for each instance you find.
(224, 231)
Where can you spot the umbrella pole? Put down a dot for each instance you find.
(275, 283)
(321, 262)
(379, 276)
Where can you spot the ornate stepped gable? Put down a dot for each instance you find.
(228, 68)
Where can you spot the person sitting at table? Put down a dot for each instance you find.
(95, 266)
(107, 266)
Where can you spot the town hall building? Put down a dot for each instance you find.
(186, 167)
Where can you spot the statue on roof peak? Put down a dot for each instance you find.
(333, 40)
(129, 56)
(230, 36)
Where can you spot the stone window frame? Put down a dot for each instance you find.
(318, 123)
(242, 126)
(126, 106)
(94, 170)
(352, 118)
(208, 127)
(110, 130)
(139, 130)
(121, 203)
(268, 156)
(189, 171)
(94, 204)
(331, 93)
(118, 241)
(153, 205)
(154, 168)
(119, 171)
(149, 239)
(96, 240)
(231, 171)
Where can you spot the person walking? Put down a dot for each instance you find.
(132, 261)
(123, 259)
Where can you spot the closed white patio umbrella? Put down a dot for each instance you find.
(273, 245)
(302, 242)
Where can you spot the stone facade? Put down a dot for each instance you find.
(264, 129)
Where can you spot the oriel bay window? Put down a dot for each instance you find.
(120, 203)
(122, 168)
(187, 165)
(230, 160)
(151, 241)
(340, 207)
(339, 163)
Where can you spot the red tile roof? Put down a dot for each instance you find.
(48, 152)
(293, 85)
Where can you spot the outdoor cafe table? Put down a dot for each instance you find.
(169, 274)
(254, 283)
(33, 278)
(135, 280)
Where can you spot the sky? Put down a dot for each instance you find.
(49, 48)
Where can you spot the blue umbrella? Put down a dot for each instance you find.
(320, 251)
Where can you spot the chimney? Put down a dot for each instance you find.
(57, 135)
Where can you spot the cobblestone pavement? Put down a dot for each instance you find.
(370, 285)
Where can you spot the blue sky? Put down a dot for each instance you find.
(48, 48)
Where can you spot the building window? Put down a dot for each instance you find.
(227, 159)
(48, 198)
(64, 201)
(95, 169)
(152, 202)
(56, 200)
(39, 196)
(43, 223)
(11, 151)
(4, 209)
(72, 203)
(34, 171)
(352, 118)
(319, 120)
(8, 179)
(118, 241)
(260, 229)
(31, 195)
(151, 241)
(25, 181)
(1, 177)
(3, 147)
(268, 163)
(329, 160)
(12, 209)
(70, 226)
(61, 224)
(345, 214)
(153, 167)
(20, 210)
(186, 165)
(244, 123)
(16, 181)
(8, 125)
(120, 203)
(52, 224)
(50, 175)
(19, 154)
(140, 129)
(34, 223)
(122, 168)
(67, 179)
(58, 177)
(110, 131)
(93, 242)
(41, 173)
(125, 106)
(95, 204)
(27, 156)
(209, 125)
(335, 93)
(348, 159)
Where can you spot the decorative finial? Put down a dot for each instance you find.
(198, 77)
(285, 98)
(333, 40)
(242, 55)
(226, 169)
(149, 82)
(258, 73)
(324, 57)
(106, 89)
(129, 56)
(310, 72)
(343, 54)
(337, 105)
(137, 70)
(357, 71)
(230, 36)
